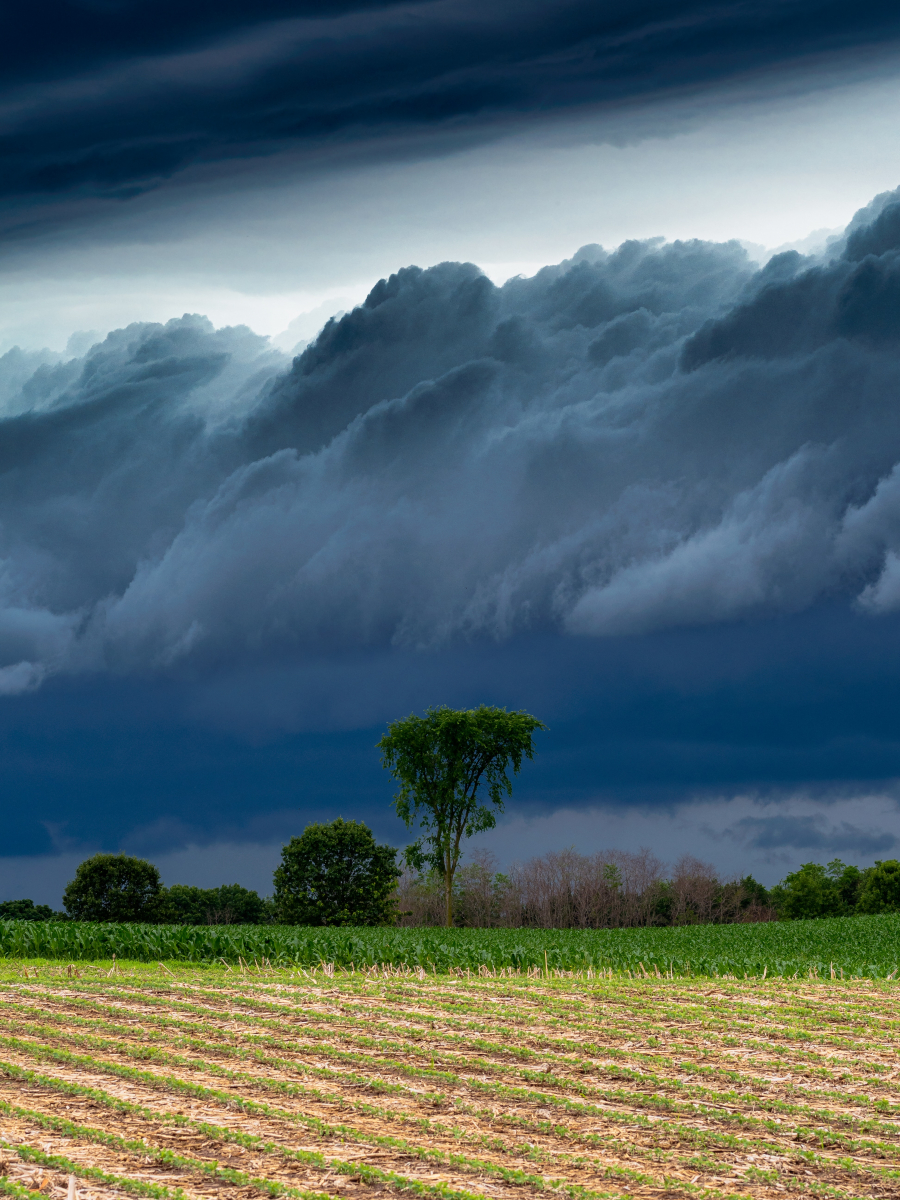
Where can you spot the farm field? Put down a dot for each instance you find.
(171, 1081)
(867, 947)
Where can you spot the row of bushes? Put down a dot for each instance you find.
(567, 890)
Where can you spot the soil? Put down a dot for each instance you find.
(352, 1086)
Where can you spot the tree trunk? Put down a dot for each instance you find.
(448, 894)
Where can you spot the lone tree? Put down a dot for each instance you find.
(336, 874)
(113, 887)
(447, 764)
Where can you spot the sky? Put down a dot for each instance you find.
(357, 357)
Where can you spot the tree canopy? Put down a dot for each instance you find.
(113, 887)
(230, 904)
(880, 892)
(336, 874)
(25, 910)
(814, 890)
(453, 767)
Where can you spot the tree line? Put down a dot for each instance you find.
(333, 874)
(617, 889)
(337, 874)
(453, 773)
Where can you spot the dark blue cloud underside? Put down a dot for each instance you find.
(369, 70)
(769, 833)
(651, 721)
(43, 38)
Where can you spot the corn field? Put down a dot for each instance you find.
(841, 947)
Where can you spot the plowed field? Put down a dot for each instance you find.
(210, 1083)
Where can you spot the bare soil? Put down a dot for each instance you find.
(350, 1086)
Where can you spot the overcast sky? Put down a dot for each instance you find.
(579, 443)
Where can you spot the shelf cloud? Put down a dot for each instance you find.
(658, 436)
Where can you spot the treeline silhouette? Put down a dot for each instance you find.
(567, 890)
(616, 889)
(561, 890)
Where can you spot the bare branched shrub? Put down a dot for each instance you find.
(694, 891)
(482, 894)
(611, 889)
(221, 916)
(754, 912)
(568, 890)
(420, 899)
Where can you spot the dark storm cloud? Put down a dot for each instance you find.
(653, 438)
(811, 834)
(112, 98)
(652, 494)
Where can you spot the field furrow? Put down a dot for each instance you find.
(348, 1085)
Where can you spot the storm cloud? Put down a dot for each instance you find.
(114, 99)
(651, 494)
(654, 437)
(808, 833)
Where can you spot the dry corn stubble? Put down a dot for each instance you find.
(341, 1084)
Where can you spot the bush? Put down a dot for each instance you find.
(113, 887)
(880, 890)
(25, 910)
(336, 875)
(230, 904)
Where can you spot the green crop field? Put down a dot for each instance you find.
(866, 947)
(186, 1082)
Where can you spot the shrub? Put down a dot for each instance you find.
(568, 890)
(336, 875)
(113, 887)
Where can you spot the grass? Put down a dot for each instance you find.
(856, 947)
(189, 1080)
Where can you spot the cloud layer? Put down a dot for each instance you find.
(656, 437)
(114, 99)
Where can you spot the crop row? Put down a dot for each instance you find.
(343, 1085)
(787, 1013)
(839, 1017)
(510, 1057)
(343, 1047)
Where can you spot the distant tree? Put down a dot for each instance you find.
(880, 890)
(447, 763)
(231, 904)
(181, 904)
(113, 887)
(817, 891)
(336, 874)
(752, 893)
(25, 910)
(662, 902)
(848, 880)
(236, 905)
